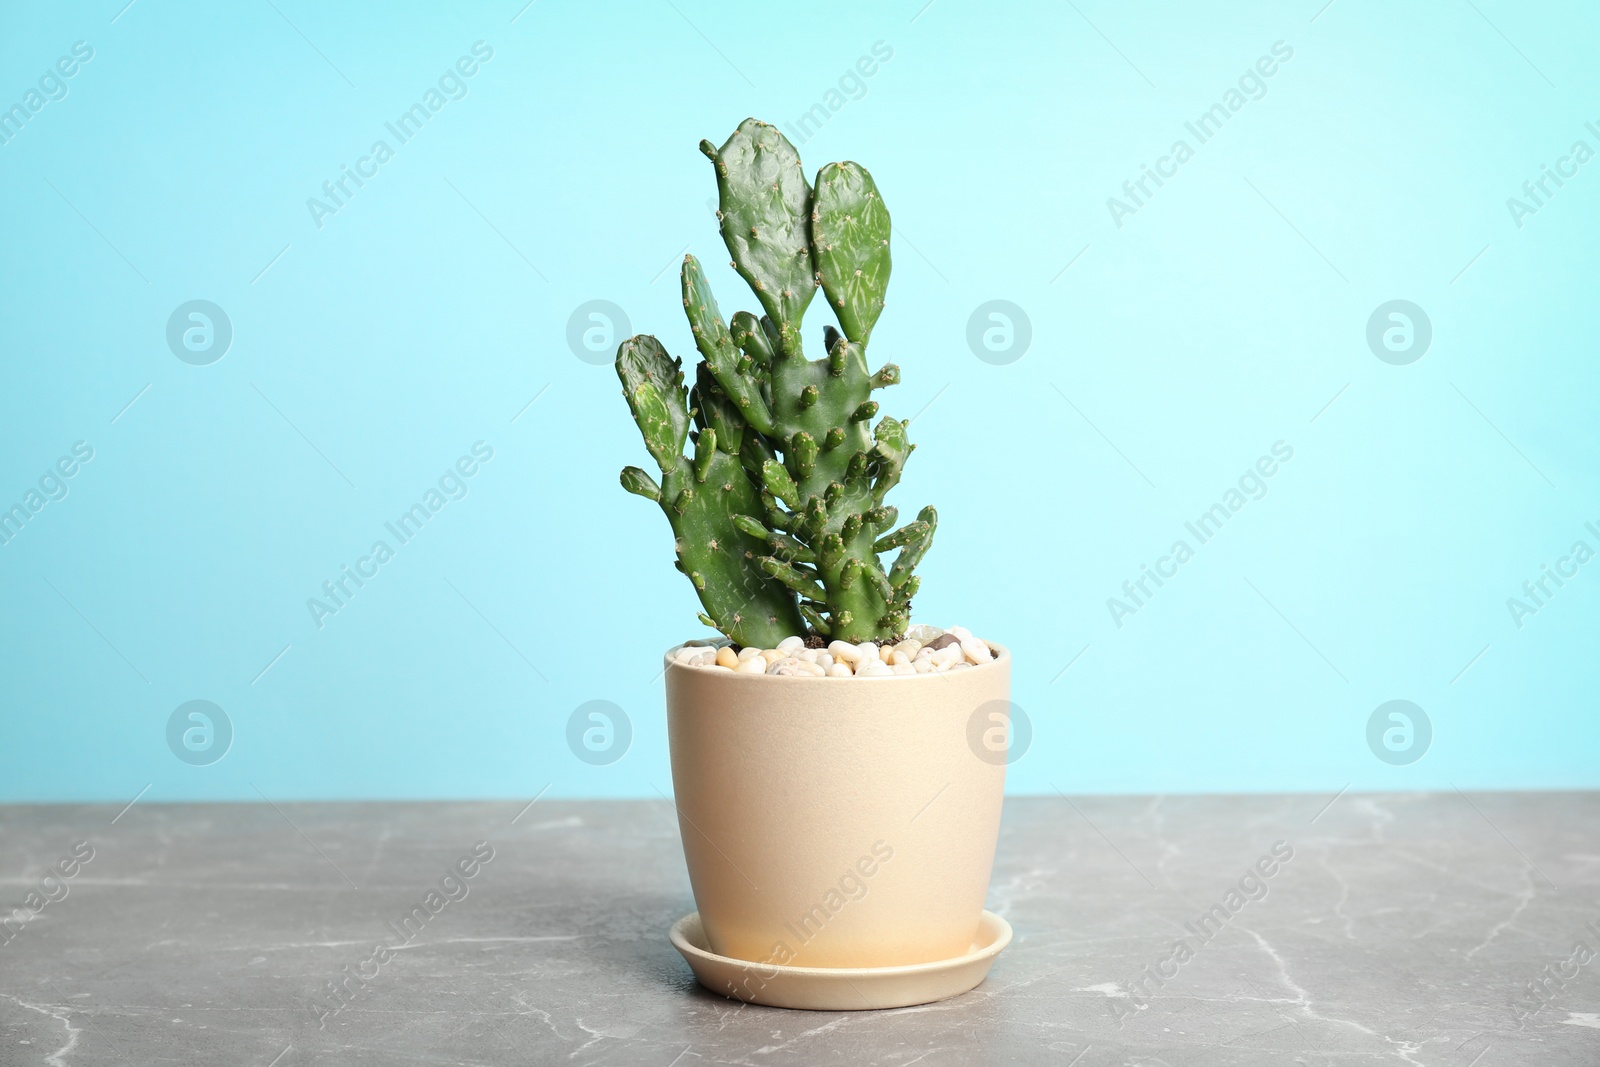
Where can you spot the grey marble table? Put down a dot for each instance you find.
(1403, 929)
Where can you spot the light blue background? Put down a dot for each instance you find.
(1222, 317)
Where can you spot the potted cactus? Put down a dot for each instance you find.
(837, 788)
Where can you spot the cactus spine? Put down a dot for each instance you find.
(780, 517)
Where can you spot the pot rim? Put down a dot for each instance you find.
(1002, 656)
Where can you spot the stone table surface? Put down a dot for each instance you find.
(1403, 929)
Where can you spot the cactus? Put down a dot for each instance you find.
(780, 517)
(701, 496)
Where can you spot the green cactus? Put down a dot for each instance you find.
(701, 496)
(780, 517)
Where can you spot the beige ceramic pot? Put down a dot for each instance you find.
(839, 822)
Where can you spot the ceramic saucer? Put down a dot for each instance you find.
(840, 988)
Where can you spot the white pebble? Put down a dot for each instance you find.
(844, 659)
(976, 651)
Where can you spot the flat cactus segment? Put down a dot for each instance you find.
(850, 244)
(716, 345)
(652, 381)
(765, 208)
